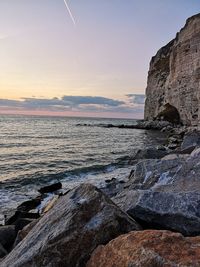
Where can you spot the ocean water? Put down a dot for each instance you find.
(37, 151)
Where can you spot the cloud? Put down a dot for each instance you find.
(95, 100)
(136, 99)
(83, 104)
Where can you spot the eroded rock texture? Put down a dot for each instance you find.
(148, 249)
(173, 89)
(71, 230)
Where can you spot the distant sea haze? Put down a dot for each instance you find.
(36, 151)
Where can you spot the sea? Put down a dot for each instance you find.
(36, 151)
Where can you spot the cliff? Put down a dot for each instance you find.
(173, 87)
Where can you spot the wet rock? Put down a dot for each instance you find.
(29, 205)
(71, 230)
(148, 249)
(50, 188)
(20, 214)
(7, 236)
(149, 153)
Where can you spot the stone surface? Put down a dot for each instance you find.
(148, 249)
(7, 236)
(191, 139)
(174, 78)
(165, 193)
(148, 153)
(71, 230)
(163, 210)
(23, 233)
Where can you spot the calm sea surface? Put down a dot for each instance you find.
(37, 151)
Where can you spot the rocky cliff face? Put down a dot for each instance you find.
(173, 88)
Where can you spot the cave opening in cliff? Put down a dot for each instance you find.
(169, 113)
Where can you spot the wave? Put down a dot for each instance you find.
(39, 178)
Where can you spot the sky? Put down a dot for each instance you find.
(97, 66)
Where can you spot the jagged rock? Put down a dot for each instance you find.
(165, 193)
(148, 249)
(163, 210)
(191, 139)
(154, 172)
(7, 236)
(174, 77)
(71, 230)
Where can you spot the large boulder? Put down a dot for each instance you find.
(162, 210)
(148, 249)
(191, 139)
(164, 194)
(66, 235)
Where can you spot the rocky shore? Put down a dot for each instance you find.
(152, 219)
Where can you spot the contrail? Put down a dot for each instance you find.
(70, 13)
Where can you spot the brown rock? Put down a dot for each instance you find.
(174, 78)
(149, 248)
(67, 235)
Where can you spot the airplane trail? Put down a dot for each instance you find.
(70, 13)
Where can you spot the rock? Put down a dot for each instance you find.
(20, 214)
(148, 249)
(3, 252)
(174, 78)
(71, 230)
(23, 233)
(7, 236)
(154, 172)
(50, 188)
(29, 205)
(162, 210)
(165, 193)
(148, 153)
(21, 223)
(191, 139)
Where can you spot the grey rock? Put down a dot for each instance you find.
(71, 230)
(191, 139)
(162, 210)
(148, 153)
(165, 193)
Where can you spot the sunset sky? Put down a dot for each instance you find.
(97, 67)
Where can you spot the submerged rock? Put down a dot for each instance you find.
(148, 249)
(71, 230)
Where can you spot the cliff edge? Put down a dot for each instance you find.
(173, 86)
